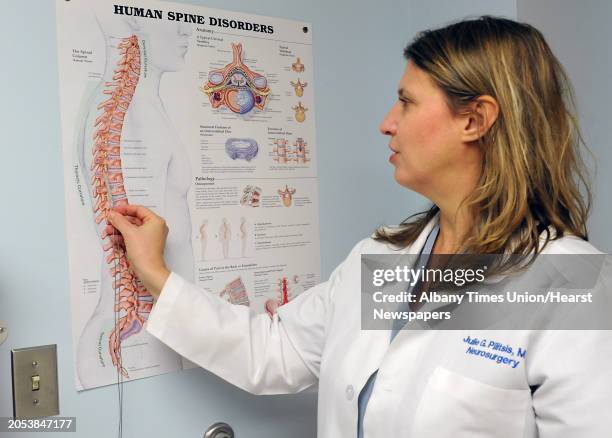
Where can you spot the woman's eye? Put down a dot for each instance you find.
(404, 103)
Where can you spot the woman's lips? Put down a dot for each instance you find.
(393, 157)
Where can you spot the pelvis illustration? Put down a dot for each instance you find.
(236, 86)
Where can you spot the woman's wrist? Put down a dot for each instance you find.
(155, 280)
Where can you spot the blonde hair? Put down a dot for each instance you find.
(532, 170)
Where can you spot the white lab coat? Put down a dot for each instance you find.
(427, 386)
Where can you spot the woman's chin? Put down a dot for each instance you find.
(405, 179)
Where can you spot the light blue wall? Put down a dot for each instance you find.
(435, 13)
(580, 36)
(358, 61)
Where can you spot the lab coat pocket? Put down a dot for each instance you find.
(456, 406)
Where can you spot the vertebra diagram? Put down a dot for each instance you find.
(236, 86)
(280, 153)
(284, 154)
(298, 87)
(250, 196)
(132, 301)
(297, 66)
(286, 195)
(301, 151)
(300, 112)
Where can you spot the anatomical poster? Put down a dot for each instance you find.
(206, 117)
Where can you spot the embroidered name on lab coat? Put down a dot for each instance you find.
(498, 352)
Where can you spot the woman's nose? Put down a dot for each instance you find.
(387, 126)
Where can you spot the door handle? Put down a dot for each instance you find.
(219, 430)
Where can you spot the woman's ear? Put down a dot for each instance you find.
(482, 113)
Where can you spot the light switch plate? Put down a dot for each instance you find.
(25, 364)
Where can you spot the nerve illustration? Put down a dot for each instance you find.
(236, 86)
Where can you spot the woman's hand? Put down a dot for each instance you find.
(143, 234)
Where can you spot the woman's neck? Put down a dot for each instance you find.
(454, 226)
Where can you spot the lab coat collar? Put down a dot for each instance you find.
(419, 243)
(376, 342)
(416, 246)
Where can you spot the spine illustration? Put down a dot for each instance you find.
(132, 301)
(284, 294)
(283, 290)
(282, 153)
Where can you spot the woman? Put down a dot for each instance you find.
(483, 128)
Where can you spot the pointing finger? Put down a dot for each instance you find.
(120, 222)
(138, 211)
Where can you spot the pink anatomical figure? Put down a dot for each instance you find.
(286, 195)
(236, 86)
(224, 236)
(243, 236)
(203, 239)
